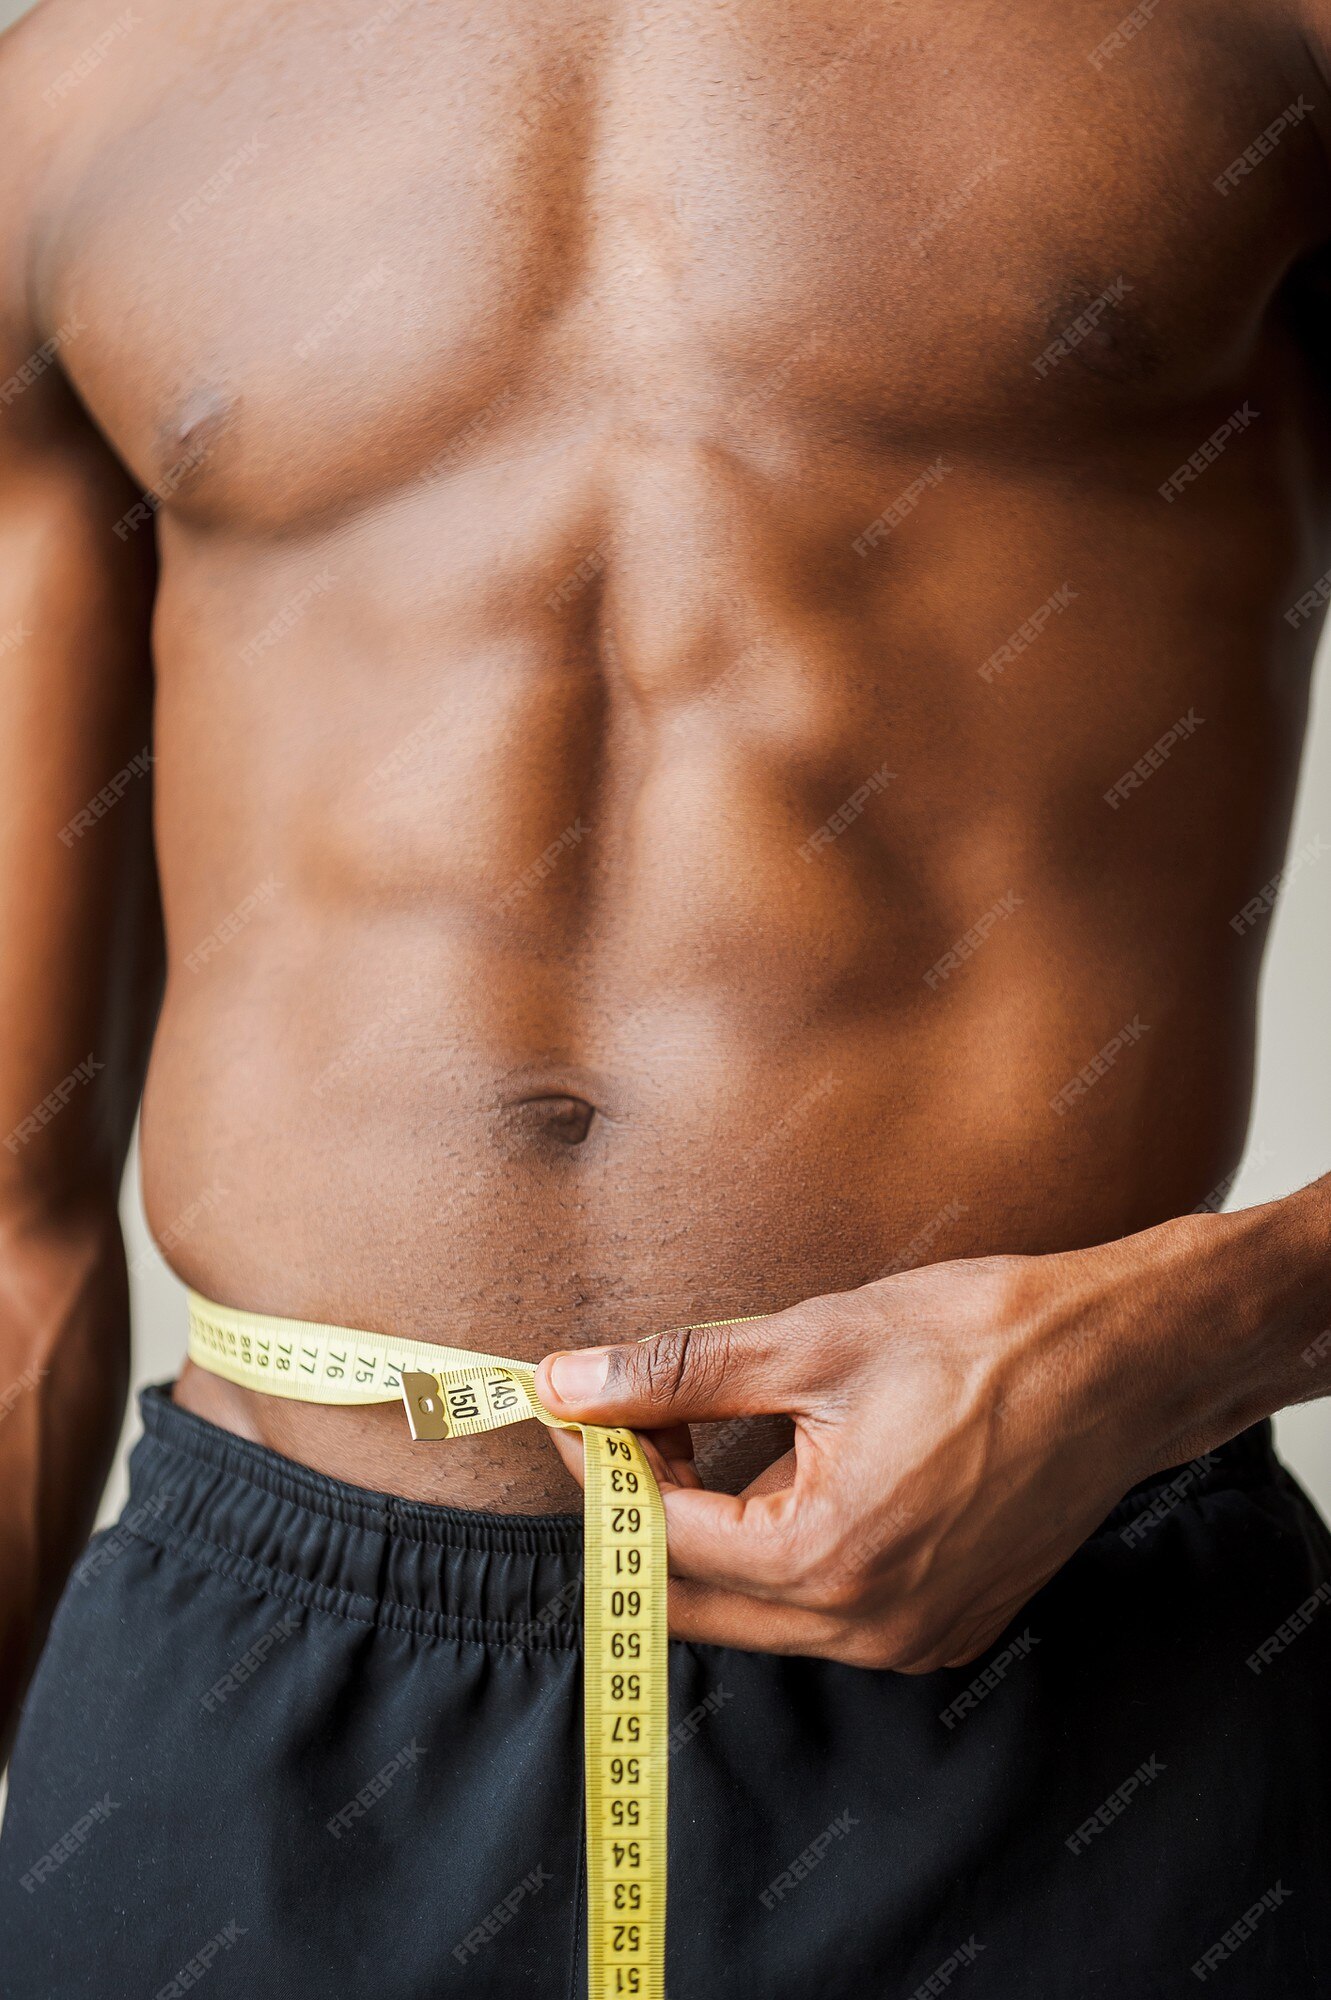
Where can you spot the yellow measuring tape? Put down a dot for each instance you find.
(451, 1392)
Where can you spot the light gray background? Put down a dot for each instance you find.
(1290, 1140)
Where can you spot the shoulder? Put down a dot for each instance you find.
(35, 74)
(51, 112)
(70, 72)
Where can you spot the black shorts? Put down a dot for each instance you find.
(291, 1740)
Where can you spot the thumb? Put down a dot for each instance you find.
(687, 1375)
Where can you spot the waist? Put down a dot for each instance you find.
(517, 1207)
(450, 1571)
(521, 1208)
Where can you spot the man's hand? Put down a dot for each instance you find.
(960, 1431)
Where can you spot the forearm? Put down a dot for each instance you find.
(1238, 1324)
(961, 1428)
(64, 1367)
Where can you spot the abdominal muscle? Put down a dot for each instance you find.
(536, 1204)
(618, 1004)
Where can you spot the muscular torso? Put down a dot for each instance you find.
(595, 444)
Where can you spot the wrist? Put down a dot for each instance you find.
(1252, 1296)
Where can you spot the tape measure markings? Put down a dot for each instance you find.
(452, 1392)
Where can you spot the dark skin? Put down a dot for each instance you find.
(616, 436)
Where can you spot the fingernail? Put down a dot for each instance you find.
(580, 1377)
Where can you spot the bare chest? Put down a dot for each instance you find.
(326, 248)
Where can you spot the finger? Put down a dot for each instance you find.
(773, 1478)
(670, 1460)
(674, 1447)
(743, 1542)
(688, 1375)
(569, 1446)
(735, 1540)
(715, 1617)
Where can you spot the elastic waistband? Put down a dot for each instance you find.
(499, 1579)
(247, 1512)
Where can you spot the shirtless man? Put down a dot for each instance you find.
(703, 616)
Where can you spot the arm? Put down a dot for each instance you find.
(80, 960)
(961, 1429)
